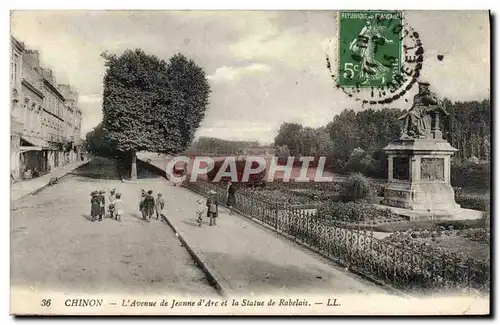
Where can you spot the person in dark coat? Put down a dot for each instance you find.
(95, 207)
(149, 205)
(231, 197)
(141, 203)
(102, 205)
(213, 208)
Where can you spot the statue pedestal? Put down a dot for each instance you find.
(419, 179)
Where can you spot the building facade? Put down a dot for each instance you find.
(45, 118)
(16, 127)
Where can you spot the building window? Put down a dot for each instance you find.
(13, 67)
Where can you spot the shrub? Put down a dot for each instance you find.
(379, 169)
(479, 202)
(459, 224)
(485, 221)
(359, 161)
(354, 212)
(357, 187)
(480, 235)
(471, 174)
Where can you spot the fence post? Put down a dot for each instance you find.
(275, 215)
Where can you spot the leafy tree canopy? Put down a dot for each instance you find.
(149, 104)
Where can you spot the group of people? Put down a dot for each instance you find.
(148, 205)
(98, 205)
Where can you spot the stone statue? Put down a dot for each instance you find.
(417, 121)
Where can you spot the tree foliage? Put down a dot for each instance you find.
(305, 141)
(353, 141)
(152, 105)
(212, 145)
(290, 135)
(190, 92)
(468, 128)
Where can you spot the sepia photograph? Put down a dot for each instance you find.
(250, 162)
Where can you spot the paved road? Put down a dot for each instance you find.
(54, 245)
(251, 258)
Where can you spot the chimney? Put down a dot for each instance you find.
(32, 57)
(47, 74)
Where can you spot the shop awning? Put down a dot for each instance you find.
(36, 144)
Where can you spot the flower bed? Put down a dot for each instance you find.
(401, 261)
(462, 244)
(473, 201)
(280, 197)
(357, 212)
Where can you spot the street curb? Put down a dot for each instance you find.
(211, 273)
(130, 181)
(213, 277)
(36, 191)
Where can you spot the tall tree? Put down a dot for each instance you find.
(190, 94)
(147, 104)
(96, 142)
(289, 134)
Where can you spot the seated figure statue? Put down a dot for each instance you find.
(417, 121)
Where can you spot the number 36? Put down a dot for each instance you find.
(45, 303)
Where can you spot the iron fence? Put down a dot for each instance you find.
(407, 265)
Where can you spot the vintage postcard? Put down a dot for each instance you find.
(327, 162)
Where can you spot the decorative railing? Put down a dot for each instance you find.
(407, 265)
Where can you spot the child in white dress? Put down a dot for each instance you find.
(118, 205)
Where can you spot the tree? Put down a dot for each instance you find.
(212, 145)
(190, 90)
(151, 105)
(289, 134)
(467, 128)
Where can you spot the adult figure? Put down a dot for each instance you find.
(102, 204)
(417, 121)
(149, 205)
(95, 206)
(141, 203)
(213, 208)
(231, 197)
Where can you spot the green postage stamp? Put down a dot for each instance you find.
(370, 46)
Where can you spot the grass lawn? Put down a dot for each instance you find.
(427, 224)
(460, 245)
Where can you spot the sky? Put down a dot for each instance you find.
(264, 67)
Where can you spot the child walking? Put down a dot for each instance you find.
(213, 208)
(111, 207)
(200, 211)
(159, 206)
(118, 207)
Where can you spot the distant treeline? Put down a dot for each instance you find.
(208, 144)
(353, 141)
